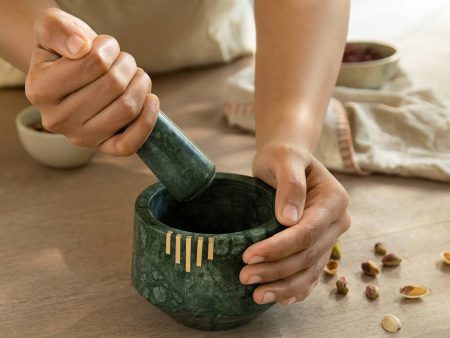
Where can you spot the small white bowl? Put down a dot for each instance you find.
(48, 148)
(369, 74)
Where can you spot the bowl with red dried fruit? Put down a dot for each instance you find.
(46, 147)
(367, 64)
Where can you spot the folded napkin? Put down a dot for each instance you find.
(10, 76)
(397, 129)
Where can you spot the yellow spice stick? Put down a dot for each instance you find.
(199, 251)
(210, 248)
(168, 240)
(188, 253)
(178, 249)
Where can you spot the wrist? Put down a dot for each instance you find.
(298, 130)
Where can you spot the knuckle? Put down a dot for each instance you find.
(341, 197)
(144, 77)
(147, 79)
(290, 289)
(283, 151)
(76, 140)
(141, 73)
(51, 124)
(111, 45)
(303, 238)
(347, 222)
(149, 121)
(128, 58)
(344, 197)
(97, 62)
(315, 274)
(116, 82)
(287, 151)
(81, 141)
(311, 256)
(128, 107)
(34, 94)
(294, 180)
(123, 148)
(48, 18)
(275, 274)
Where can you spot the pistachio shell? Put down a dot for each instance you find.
(391, 323)
(380, 248)
(336, 251)
(391, 259)
(446, 257)
(342, 286)
(370, 268)
(331, 267)
(414, 291)
(372, 292)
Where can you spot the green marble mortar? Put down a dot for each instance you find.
(187, 255)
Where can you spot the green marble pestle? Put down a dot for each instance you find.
(176, 161)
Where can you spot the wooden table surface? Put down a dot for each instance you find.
(65, 238)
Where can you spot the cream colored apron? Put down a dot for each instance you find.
(165, 35)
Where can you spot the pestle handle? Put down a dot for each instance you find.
(176, 161)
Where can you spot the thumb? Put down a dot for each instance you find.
(63, 34)
(291, 193)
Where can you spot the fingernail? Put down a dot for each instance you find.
(255, 259)
(269, 297)
(290, 212)
(254, 280)
(291, 300)
(75, 43)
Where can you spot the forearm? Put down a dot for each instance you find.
(16, 29)
(299, 50)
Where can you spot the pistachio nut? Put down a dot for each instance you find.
(342, 285)
(372, 291)
(391, 259)
(391, 323)
(331, 267)
(336, 251)
(446, 257)
(380, 248)
(414, 291)
(370, 268)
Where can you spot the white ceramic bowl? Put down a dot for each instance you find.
(48, 148)
(369, 74)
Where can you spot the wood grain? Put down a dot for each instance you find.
(65, 238)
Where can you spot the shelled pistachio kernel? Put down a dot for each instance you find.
(372, 291)
(370, 268)
(331, 267)
(446, 257)
(336, 251)
(414, 291)
(342, 285)
(391, 323)
(380, 248)
(391, 259)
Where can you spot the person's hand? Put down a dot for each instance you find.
(312, 205)
(87, 89)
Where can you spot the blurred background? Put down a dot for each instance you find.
(421, 30)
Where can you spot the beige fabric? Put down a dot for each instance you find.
(165, 35)
(10, 76)
(397, 130)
